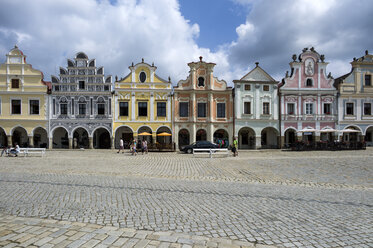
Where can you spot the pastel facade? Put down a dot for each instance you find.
(256, 110)
(81, 106)
(142, 108)
(356, 99)
(23, 103)
(203, 107)
(308, 100)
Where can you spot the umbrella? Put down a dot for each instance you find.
(144, 134)
(328, 130)
(307, 130)
(349, 130)
(164, 134)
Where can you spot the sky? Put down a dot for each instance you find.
(234, 34)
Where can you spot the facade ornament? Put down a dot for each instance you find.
(366, 52)
(294, 57)
(322, 57)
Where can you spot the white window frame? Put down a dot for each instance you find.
(29, 106)
(331, 108)
(10, 106)
(305, 82)
(269, 108)
(206, 108)
(188, 109)
(287, 108)
(243, 107)
(146, 77)
(371, 105)
(225, 110)
(305, 108)
(353, 109)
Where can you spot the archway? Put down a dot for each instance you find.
(20, 137)
(351, 136)
(40, 138)
(60, 138)
(143, 134)
(269, 138)
(184, 138)
(164, 135)
(221, 138)
(101, 139)
(80, 138)
(290, 137)
(125, 133)
(246, 138)
(201, 135)
(3, 138)
(369, 136)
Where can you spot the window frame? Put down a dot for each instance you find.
(138, 109)
(18, 83)
(287, 108)
(63, 103)
(187, 109)
(163, 109)
(309, 80)
(370, 108)
(330, 108)
(125, 108)
(29, 102)
(248, 86)
(205, 109)
(146, 76)
(102, 104)
(365, 80)
(83, 85)
(203, 82)
(249, 109)
(353, 108)
(266, 87)
(80, 108)
(263, 108)
(307, 112)
(217, 110)
(11, 106)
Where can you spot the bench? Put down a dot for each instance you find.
(27, 151)
(211, 151)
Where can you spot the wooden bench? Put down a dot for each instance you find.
(27, 151)
(211, 151)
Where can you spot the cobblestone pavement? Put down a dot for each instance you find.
(318, 199)
(35, 232)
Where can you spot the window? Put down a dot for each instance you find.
(16, 107)
(349, 108)
(291, 108)
(161, 109)
(56, 88)
(34, 107)
(183, 109)
(367, 109)
(309, 108)
(0, 106)
(72, 106)
(101, 108)
(201, 109)
(201, 82)
(143, 109)
(123, 108)
(54, 106)
(82, 108)
(265, 108)
(221, 110)
(63, 108)
(327, 109)
(81, 85)
(247, 87)
(368, 81)
(265, 87)
(142, 77)
(247, 108)
(309, 82)
(106, 88)
(15, 83)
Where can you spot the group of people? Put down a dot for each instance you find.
(135, 146)
(11, 151)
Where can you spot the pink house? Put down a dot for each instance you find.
(308, 107)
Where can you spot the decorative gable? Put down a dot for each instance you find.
(257, 74)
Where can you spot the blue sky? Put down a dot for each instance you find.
(234, 34)
(217, 20)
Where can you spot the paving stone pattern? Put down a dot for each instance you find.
(270, 198)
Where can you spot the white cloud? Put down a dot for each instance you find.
(116, 35)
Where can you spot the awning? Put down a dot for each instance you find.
(328, 130)
(164, 134)
(144, 134)
(307, 130)
(349, 130)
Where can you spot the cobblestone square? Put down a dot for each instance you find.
(270, 198)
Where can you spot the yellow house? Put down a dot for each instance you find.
(142, 108)
(23, 103)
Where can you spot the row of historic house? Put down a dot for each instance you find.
(83, 108)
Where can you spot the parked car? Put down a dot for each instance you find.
(198, 144)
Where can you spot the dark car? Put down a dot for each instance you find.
(198, 144)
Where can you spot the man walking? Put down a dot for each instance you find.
(121, 146)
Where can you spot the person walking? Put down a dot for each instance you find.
(144, 147)
(121, 146)
(235, 147)
(134, 147)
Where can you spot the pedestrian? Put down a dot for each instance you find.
(5, 150)
(144, 146)
(134, 147)
(121, 146)
(15, 150)
(235, 147)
